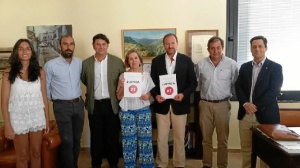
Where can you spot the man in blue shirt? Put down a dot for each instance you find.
(63, 89)
(217, 74)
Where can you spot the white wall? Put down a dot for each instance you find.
(110, 17)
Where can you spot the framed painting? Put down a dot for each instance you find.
(147, 67)
(148, 42)
(196, 43)
(4, 55)
(45, 40)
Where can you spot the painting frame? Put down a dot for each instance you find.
(148, 42)
(5, 53)
(196, 43)
(45, 40)
(147, 67)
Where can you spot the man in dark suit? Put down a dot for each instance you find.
(257, 87)
(172, 111)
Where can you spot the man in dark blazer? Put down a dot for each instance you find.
(257, 87)
(172, 111)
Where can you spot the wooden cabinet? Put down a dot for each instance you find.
(196, 150)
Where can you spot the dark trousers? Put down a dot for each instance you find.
(104, 127)
(70, 119)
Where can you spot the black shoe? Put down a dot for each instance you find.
(205, 167)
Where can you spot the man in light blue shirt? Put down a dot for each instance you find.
(217, 75)
(63, 89)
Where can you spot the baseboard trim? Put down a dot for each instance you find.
(215, 150)
(230, 150)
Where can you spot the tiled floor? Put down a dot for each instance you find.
(234, 161)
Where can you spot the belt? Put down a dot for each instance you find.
(216, 101)
(102, 100)
(69, 101)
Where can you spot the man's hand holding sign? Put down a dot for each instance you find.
(168, 88)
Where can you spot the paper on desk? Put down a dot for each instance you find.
(295, 130)
(292, 145)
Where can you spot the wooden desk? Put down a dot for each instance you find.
(272, 153)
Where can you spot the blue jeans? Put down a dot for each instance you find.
(70, 119)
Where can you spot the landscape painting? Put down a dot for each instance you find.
(148, 42)
(45, 40)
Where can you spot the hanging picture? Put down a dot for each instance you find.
(4, 55)
(148, 42)
(196, 43)
(45, 40)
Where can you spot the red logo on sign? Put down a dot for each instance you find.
(132, 89)
(169, 90)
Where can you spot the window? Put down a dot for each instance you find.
(279, 22)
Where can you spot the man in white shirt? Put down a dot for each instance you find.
(216, 77)
(172, 111)
(100, 74)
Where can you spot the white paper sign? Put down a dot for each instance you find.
(168, 86)
(132, 84)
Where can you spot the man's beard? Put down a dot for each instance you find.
(67, 54)
(171, 51)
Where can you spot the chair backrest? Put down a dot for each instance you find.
(290, 117)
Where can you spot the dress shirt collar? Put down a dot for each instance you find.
(222, 58)
(174, 57)
(259, 63)
(102, 60)
(64, 60)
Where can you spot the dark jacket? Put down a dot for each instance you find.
(266, 90)
(186, 83)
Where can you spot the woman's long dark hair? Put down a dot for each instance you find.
(16, 66)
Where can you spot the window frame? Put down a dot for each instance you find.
(232, 45)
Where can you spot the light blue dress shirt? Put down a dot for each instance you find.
(216, 82)
(63, 78)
